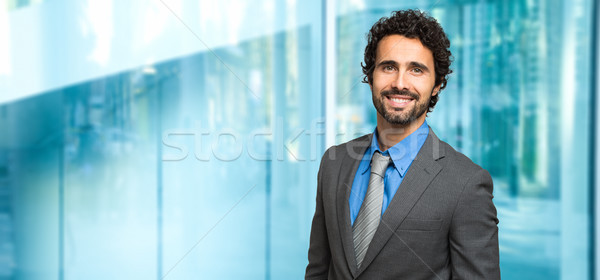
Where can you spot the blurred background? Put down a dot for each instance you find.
(179, 139)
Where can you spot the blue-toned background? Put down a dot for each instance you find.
(177, 139)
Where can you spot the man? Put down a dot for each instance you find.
(400, 203)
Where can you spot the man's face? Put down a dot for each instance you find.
(403, 80)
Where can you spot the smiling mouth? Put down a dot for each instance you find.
(399, 101)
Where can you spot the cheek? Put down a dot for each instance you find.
(380, 81)
(426, 87)
(378, 85)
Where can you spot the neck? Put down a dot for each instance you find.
(391, 134)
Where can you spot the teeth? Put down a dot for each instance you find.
(400, 100)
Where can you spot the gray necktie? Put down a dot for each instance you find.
(367, 221)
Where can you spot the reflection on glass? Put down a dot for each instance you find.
(200, 165)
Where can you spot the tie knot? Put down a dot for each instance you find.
(379, 164)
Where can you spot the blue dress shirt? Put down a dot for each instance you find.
(402, 155)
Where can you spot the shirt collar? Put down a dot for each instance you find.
(403, 153)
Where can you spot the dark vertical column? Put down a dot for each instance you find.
(459, 82)
(61, 203)
(593, 129)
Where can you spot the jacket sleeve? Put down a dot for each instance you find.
(474, 231)
(319, 254)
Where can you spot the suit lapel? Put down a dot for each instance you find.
(420, 174)
(349, 165)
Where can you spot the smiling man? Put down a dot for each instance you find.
(399, 203)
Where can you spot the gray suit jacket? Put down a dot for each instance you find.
(441, 223)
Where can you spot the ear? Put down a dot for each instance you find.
(436, 90)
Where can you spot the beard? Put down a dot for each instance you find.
(403, 116)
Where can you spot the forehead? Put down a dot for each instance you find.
(401, 49)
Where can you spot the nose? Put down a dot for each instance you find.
(401, 82)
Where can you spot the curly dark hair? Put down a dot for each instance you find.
(411, 24)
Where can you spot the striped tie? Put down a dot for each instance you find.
(369, 214)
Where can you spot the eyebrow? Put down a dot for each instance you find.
(411, 64)
(419, 65)
(387, 62)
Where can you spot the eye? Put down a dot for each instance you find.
(388, 68)
(417, 70)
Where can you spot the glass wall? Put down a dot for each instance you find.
(181, 139)
(199, 166)
(518, 104)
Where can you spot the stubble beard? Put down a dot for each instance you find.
(404, 116)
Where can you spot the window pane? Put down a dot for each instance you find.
(200, 165)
